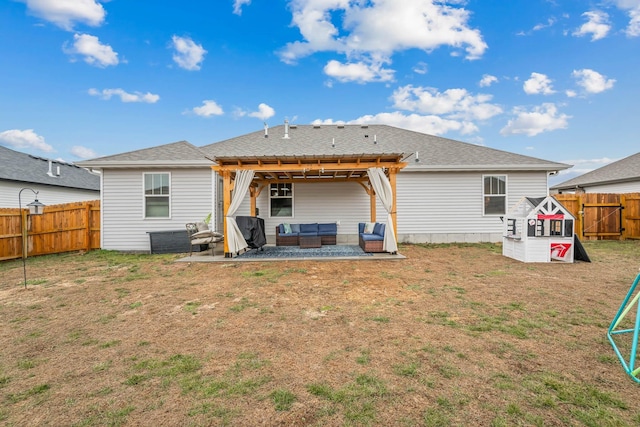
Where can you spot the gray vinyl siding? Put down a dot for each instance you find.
(47, 194)
(432, 207)
(124, 227)
(448, 207)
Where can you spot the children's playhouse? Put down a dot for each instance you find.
(538, 230)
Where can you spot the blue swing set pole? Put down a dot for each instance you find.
(622, 311)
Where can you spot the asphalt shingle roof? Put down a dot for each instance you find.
(22, 167)
(173, 154)
(434, 153)
(627, 169)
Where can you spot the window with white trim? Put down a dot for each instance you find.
(281, 200)
(494, 194)
(157, 195)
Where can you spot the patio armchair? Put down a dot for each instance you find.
(371, 236)
(199, 234)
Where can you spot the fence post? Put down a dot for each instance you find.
(87, 223)
(623, 217)
(580, 216)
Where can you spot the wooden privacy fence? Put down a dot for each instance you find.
(604, 216)
(60, 228)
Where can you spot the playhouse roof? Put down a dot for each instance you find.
(534, 206)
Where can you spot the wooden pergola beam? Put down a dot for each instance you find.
(307, 166)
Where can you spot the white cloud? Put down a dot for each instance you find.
(264, 112)
(487, 80)
(599, 162)
(94, 52)
(371, 32)
(538, 84)
(188, 54)
(543, 118)
(429, 124)
(452, 103)
(597, 25)
(237, 6)
(421, 68)
(24, 139)
(209, 108)
(550, 22)
(106, 94)
(592, 81)
(582, 166)
(83, 152)
(65, 13)
(633, 30)
(633, 9)
(359, 72)
(571, 93)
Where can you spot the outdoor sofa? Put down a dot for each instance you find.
(289, 234)
(371, 236)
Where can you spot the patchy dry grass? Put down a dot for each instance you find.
(453, 335)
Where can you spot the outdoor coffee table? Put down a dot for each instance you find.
(307, 242)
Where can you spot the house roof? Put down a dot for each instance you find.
(625, 170)
(332, 141)
(176, 154)
(433, 152)
(22, 167)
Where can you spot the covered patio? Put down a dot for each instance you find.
(375, 173)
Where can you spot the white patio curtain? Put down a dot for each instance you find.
(235, 239)
(382, 187)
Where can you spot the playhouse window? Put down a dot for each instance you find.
(281, 200)
(494, 194)
(157, 195)
(550, 227)
(555, 227)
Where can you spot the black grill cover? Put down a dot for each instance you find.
(252, 229)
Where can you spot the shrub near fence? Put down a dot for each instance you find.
(604, 216)
(60, 228)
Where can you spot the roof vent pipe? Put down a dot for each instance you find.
(58, 170)
(375, 139)
(286, 129)
(50, 172)
(266, 130)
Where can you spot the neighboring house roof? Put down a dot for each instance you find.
(433, 152)
(22, 167)
(176, 154)
(625, 170)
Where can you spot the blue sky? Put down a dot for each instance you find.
(556, 80)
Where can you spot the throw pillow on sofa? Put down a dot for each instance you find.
(369, 227)
(378, 229)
